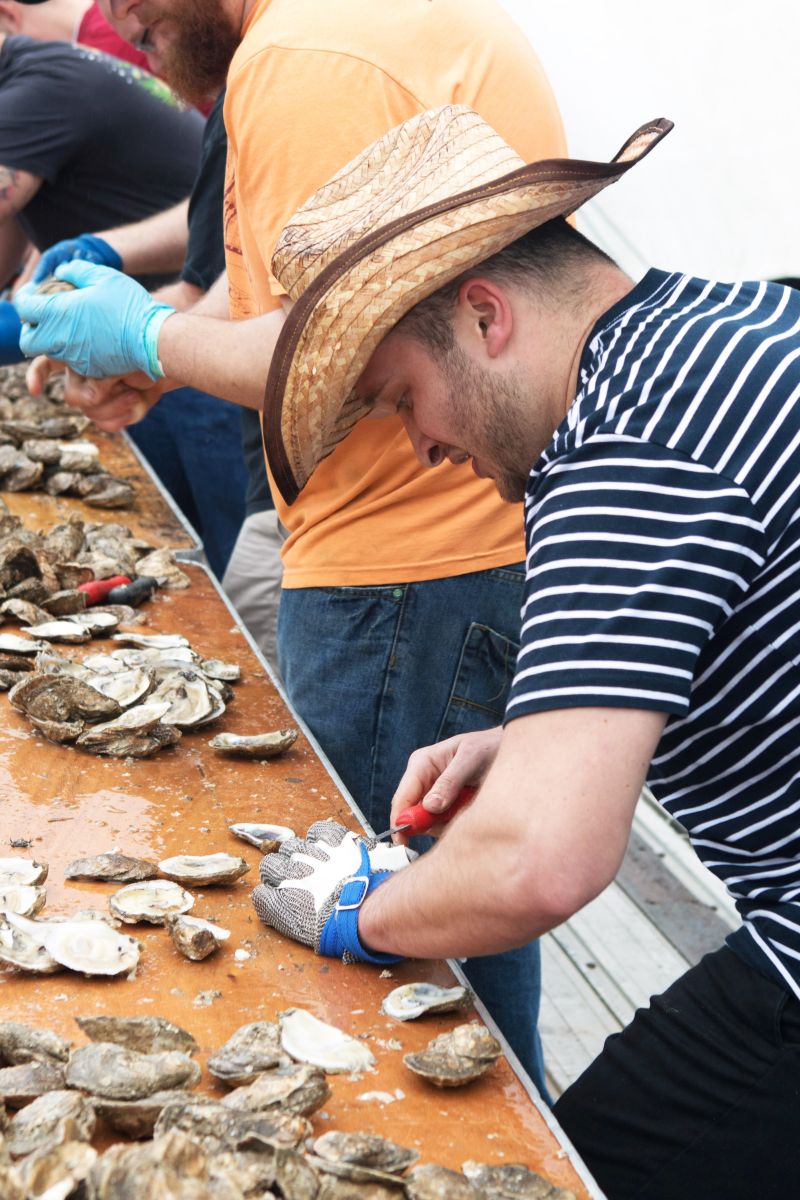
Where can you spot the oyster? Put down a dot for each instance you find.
(172, 1167)
(124, 686)
(513, 1182)
(364, 1150)
(62, 698)
(79, 456)
(457, 1057)
(438, 1183)
(24, 1043)
(216, 1125)
(298, 1088)
(214, 668)
(21, 871)
(96, 620)
(202, 870)
(343, 1179)
(115, 867)
(136, 1118)
(59, 631)
(21, 944)
(262, 836)
(57, 1173)
(189, 701)
(307, 1039)
(258, 746)
(178, 656)
(195, 938)
(49, 1121)
(413, 1000)
(106, 491)
(152, 901)
(116, 1073)
(24, 1082)
(22, 899)
(152, 641)
(148, 1035)
(162, 564)
(91, 947)
(64, 603)
(11, 643)
(23, 611)
(249, 1051)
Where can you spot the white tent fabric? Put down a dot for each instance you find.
(719, 197)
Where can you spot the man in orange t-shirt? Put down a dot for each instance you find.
(400, 611)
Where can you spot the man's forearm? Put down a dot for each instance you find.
(154, 246)
(230, 359)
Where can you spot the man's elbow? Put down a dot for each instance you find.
(539, 896)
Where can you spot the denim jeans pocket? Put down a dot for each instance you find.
(480, 688)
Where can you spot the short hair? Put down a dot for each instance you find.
(549, 258)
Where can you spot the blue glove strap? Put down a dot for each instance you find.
(340, 931)
(151, 331)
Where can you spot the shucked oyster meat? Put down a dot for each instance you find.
(116, 1073)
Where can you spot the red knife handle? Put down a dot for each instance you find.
(417, 819)
(97, 589)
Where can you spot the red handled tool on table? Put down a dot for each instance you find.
(417, 819)
(96, 590)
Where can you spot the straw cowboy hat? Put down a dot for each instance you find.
(430, 199)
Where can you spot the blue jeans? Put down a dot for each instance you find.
(193, 442)
(376, 672)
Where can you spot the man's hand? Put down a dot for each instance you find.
(112, 403)
(108, 326)
(87, 247)
(313, 887)
(436, 774)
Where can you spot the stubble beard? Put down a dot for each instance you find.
(196, 61)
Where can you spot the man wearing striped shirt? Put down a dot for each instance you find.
(654, 432)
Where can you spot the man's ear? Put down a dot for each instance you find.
(484, 317)
(10, 18)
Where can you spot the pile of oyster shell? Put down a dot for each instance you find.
(257, 1143)
(40, 447)
(127, 703)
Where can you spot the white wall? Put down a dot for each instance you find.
(720, 197)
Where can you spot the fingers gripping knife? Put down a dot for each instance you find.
(416, 819)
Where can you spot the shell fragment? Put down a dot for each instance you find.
(307, 1039)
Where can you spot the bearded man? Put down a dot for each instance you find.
(401, 590)
(654, 430)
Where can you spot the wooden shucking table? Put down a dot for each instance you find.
(181, 801)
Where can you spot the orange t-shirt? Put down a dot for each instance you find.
(311, 84)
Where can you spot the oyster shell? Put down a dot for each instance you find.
(126, 686)
(21, 1043)
(172, 1167)
(118, 868)
(116, 1073)
(189, 700)
(57, 1173)
(64, 603)
(216, 1125)
(152, 901)
(513, 1181)
(59, 631)
(49, 1121)
(79, 456)
(412, 1000)
(91, 947)
(22, 946)
(298, 1088)
(438, 1183)
(139, 719)
(62, 698)
(152, 641)
(214, 668)
(21, 871)
(307, 1039)
(195, 938)
(23, 611)
(355, 1177)
(96, 620)
(109, 492)
(250, 1050)
(24, 1082)
(136, 1118)
(257, 746)
(11, 643)
(457, 1057)
(202, 870)
(162, 564)
(364, 1150)
(261, 835)
(147, 1035)
(22, 899)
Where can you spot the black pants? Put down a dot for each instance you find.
(699, 1095)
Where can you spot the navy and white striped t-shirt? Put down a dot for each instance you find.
(663, 572)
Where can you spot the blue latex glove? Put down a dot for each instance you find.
(87, 247)
(9, 334)
(312, 888)
(108, 326)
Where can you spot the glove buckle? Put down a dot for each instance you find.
(364, 881)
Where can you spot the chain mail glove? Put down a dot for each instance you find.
(312, 888)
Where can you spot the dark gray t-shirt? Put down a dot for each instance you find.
(111, 143)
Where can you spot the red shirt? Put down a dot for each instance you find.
(95, 31)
